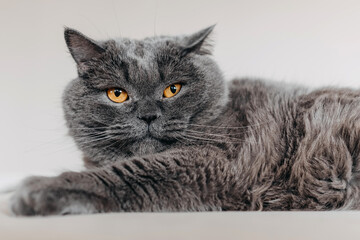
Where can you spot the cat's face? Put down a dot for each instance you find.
(138, 97)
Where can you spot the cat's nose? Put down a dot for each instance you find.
(148, 117)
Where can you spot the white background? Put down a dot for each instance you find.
(311, 42)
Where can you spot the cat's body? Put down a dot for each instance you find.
(245, 145)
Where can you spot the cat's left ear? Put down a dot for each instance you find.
(198, 42)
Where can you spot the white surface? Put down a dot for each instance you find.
(158, 226)
(313, 42)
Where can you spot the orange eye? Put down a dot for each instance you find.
(172, 90)
(117, 95)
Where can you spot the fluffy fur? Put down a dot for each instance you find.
(242, 145)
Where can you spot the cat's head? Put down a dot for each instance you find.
(135, 97)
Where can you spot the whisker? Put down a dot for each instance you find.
(218, 127)
(100, 122)
(116, 17)
(155, 18)
(124, 126)
(226, 127)
(214, 140)
(227, 135)
(87, 128)
(95, 139)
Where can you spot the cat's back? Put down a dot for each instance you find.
(255, 101)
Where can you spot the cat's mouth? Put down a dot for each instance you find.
(151, 135)
(154, 132)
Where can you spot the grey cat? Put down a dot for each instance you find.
(160, 130)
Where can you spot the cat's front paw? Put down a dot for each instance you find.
(46, 196)
(33, 197)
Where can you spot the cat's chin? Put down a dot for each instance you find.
(146, 145)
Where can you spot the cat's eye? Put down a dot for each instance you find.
(172, 90)
(117, 95)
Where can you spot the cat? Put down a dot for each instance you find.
(161, 130)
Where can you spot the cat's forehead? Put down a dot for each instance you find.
(145, 48)
(142, 60)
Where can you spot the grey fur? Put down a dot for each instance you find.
(251, 145)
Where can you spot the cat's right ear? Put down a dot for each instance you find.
(82, 48)
(197, 42)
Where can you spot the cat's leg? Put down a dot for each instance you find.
(187, 180)
(325, 169)
(55, 195)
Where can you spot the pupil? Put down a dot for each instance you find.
(117, 92)
(173, 88)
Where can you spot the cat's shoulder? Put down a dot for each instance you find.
(264, 85)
